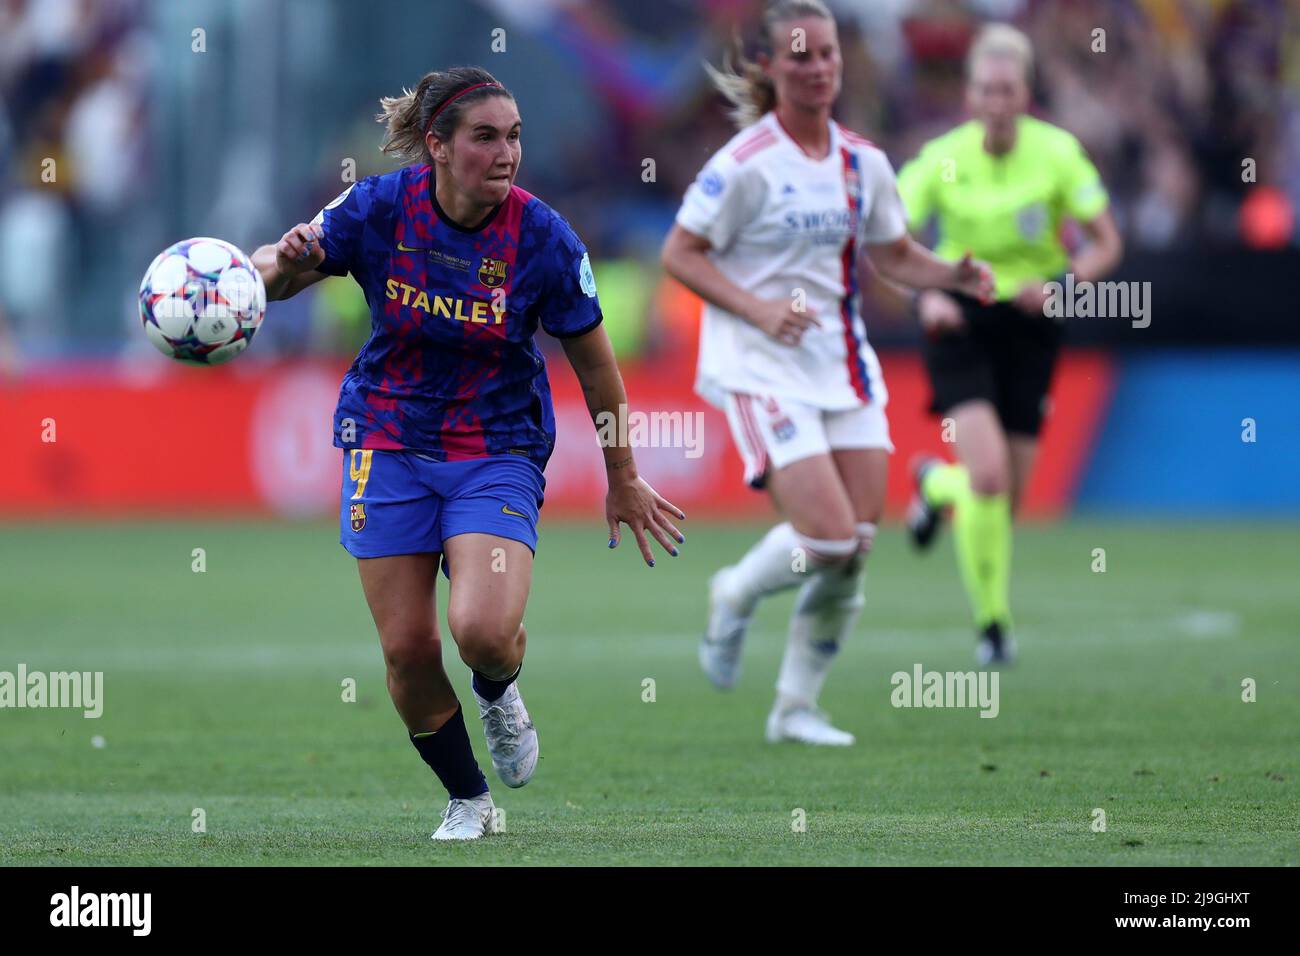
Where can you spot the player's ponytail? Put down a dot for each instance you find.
(741, 80)
(744, 84)
(437, 102)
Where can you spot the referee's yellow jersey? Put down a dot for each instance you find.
(1007, 210)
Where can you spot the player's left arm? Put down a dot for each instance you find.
(630, 500)
(899, 258)
(570, 310)
(907, 262)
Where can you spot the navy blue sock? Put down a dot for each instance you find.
(448, 752)
(490, 689)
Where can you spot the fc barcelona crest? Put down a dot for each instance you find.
(358, 515)
(492, 272)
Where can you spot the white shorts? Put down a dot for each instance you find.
(772, 433)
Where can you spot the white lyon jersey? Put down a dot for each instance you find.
(780, 221)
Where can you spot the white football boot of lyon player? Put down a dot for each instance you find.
(806, 725)
(725, 638)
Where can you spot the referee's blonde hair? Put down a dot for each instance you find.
(1001, 41)
(741, 80)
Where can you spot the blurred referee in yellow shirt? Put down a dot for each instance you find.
(999, 187)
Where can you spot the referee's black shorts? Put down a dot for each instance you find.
(1002, 355)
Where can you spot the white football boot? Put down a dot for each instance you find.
(467, 818)
(725, 638)
(805, 725)
(511, 737)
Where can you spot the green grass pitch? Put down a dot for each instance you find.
(223, 692)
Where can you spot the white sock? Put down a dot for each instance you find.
(780, 560)
(766, 568)
(825, 612)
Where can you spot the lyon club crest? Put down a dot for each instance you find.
(358, 515)
(783, 428)
(853, 182)
(492, 272)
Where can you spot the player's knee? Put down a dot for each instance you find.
(491, 658)
(990, 479)
(834, 550)
(410, 654)
(488, 643)
(866, 534)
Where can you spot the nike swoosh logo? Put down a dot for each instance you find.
(506, 509)
(405, 248)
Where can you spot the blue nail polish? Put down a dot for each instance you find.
(675, 552)
(652, 562)
(611, 542)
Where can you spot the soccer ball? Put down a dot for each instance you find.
(201, 301)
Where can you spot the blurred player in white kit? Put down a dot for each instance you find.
(770, 235)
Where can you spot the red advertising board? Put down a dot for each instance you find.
(254, 439)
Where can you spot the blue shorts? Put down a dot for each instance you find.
(401, 502)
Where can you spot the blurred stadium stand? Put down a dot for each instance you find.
(153, 141)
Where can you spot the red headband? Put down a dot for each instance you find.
(452, 99)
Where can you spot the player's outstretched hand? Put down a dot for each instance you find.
(300, 249)
(637, 505)
(781, 320)
(975, 279)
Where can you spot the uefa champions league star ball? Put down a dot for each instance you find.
(201, 301)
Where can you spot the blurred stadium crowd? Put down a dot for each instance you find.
(118, 135)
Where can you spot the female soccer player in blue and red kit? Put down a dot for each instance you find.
(445, 417)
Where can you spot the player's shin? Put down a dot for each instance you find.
(448, 753)
(826, 611)
(766, 568)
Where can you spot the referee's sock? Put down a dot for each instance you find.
(981, 534)
(447, 751)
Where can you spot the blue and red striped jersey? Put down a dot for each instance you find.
(451, 367)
